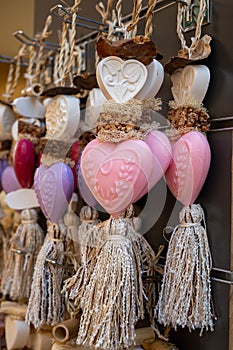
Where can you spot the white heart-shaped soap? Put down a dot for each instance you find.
(121, 80)
(94, 107)
(154, 81)
(62, 116)
(29, 106)
(7, 118)
(190, 83)
(24, 198)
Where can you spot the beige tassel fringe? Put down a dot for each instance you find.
(46, 304)
(185, 297)
(24, 248)
(109, 289)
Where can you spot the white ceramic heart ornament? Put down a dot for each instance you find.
(154, 80)
(121, 80)
(190, 84)
(94, 107)
(24, 198)
(62, 116)
(14, 128)
(7, 118)
(29, 106)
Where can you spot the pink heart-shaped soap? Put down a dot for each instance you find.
(54, 187)
(189, 167)
(24, 161)
(160, 147)
(117, 174)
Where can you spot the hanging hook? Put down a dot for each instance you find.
(10, 60)
(61, 12)
(27, 40)
(55, 263)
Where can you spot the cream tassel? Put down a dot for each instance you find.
(109, 288)
(89, 233)
(25, 246)
(90, 237)
(185, 297)
(72, 222)
(46, 304)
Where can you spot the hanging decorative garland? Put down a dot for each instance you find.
(185, 297)
(126, 160)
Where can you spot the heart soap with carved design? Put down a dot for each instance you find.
(62, 116)
(121, 80)
(120, 174)
(190, 84)
(189, 167)
(124, 80)
(54, 187)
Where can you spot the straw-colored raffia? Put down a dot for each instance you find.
(14, 74)
(25, 246)
(29, 74)
(185, 297)
(199, 48)
(46, 303)
(105, 13)
(129, 120)
(184, 118)
(39, 60)
(110, 293)
(149, 17)
(132, 27)
(72, 36)
(63, 55)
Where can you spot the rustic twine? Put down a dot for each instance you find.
(105, 13)
(29, 73)
(62, 54)
(180, 30)
(149, 17)
(44, 35)
(72, 36)
(129, 120)
(14, 74)
(132, 27)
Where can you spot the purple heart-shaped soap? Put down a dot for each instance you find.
(54, 187)
(9, 180)
(3, 165)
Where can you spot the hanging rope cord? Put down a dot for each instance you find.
(44, 35)
(105, 15)
(29, 74)
(180, 30)
(72, 36)
(132, 27)
(14, 74)
(149, 18)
